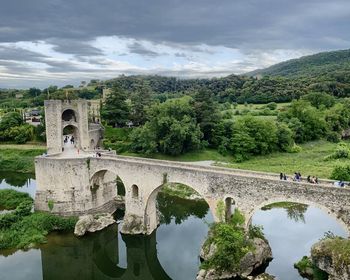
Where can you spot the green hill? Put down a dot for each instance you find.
(320, 64)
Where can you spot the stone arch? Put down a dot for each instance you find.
(330, 212)
(150, 215)
(103, 186)
(71, 129)
(69, 115)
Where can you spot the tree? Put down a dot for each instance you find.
(140, 99)
(319, 99)
(11, 119)
(253, 136)
(171, 129)
(34, 92)
(115, 111)
(284, 137)
(207, 113)
(306, 122)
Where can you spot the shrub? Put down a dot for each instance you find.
(232, 243)
(294, 149)
(341, 173)
(271, 106)
(342, 151)
(10, 199)
(333, 137)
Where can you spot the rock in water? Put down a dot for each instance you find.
(249, 263)
(92, 223)
(332, 256)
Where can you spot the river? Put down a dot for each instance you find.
(171, 252)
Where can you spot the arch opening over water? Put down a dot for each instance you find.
(105, 187)
(301, 202)
(178, 189)
(292, 229)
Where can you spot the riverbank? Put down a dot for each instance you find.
(19, 158)
(21, 228)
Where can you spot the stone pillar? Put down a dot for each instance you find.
(83, 124)
(135, 211)
(53, 121)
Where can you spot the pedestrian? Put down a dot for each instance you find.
(281, 176)
(285, 177)
(299, 175)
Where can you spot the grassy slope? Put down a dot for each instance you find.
(19, 158)
(206, 154)
(308, 162)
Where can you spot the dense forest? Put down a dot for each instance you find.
(327, 72)
(171, 116)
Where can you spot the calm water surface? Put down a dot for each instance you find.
(171, 252)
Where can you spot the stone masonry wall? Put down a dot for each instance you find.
(66, 181)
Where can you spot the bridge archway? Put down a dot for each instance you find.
(71, 130)
(106, 186)
(151, 219)
(69, 115)
(325, 209)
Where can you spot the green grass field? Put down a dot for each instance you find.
(310, 161)
(19, 158)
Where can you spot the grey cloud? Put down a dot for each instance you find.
(138, 48)
(75, 47)
(241, 23)
(19, 54)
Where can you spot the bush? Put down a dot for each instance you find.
(294, 149)
(333, 137)
(10, 199)
(342, 151)
(232, 243)
(271, 106)
(22, 210)
(341, 173)
(21, 228)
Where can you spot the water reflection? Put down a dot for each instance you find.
(179, 209)
(97, 257)
(22, 182)
(295, 211)
(169, 253)
(291, 235)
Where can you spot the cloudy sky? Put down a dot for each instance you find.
(61, 42)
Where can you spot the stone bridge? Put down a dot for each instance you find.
(87, 184)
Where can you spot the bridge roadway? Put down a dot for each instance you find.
(86, 184)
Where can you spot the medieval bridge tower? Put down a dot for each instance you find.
(72, 115)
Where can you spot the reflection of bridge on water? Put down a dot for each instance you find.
(97, 257)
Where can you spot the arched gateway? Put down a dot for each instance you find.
(76, 185)
(73, 114)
